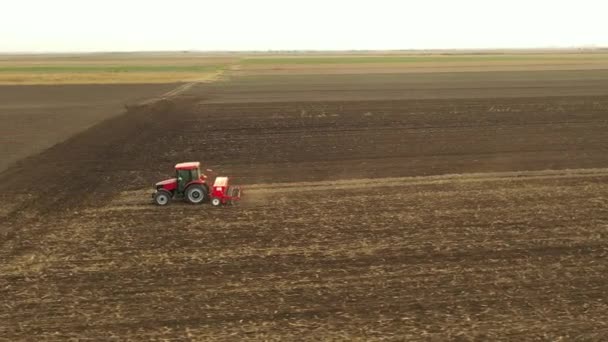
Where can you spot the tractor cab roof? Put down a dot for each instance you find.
(187, 166)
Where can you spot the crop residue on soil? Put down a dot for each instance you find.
(374, 215)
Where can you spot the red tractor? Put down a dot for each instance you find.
(191, 185)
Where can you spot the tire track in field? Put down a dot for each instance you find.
(141, 200)
(180, 90)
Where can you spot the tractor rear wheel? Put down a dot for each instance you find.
(195, 194)
(162, 197)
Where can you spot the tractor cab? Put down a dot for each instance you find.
(185, 173)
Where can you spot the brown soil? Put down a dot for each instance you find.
(35, 118)
(425, 67)
(346, 231)
(412, 86)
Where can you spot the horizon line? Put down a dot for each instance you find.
(431, 50)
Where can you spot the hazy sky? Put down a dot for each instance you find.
(127, 25)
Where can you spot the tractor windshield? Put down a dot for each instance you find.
(188, 175)
(195, 174)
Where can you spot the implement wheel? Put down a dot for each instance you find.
(216, 202)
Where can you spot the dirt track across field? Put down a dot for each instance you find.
(375, 206)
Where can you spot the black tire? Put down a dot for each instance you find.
(162, 197)
(196, 194)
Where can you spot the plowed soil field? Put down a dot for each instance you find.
(479, 211)
(34, 118)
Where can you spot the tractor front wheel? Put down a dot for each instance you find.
(162, 197)
(195, 194)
